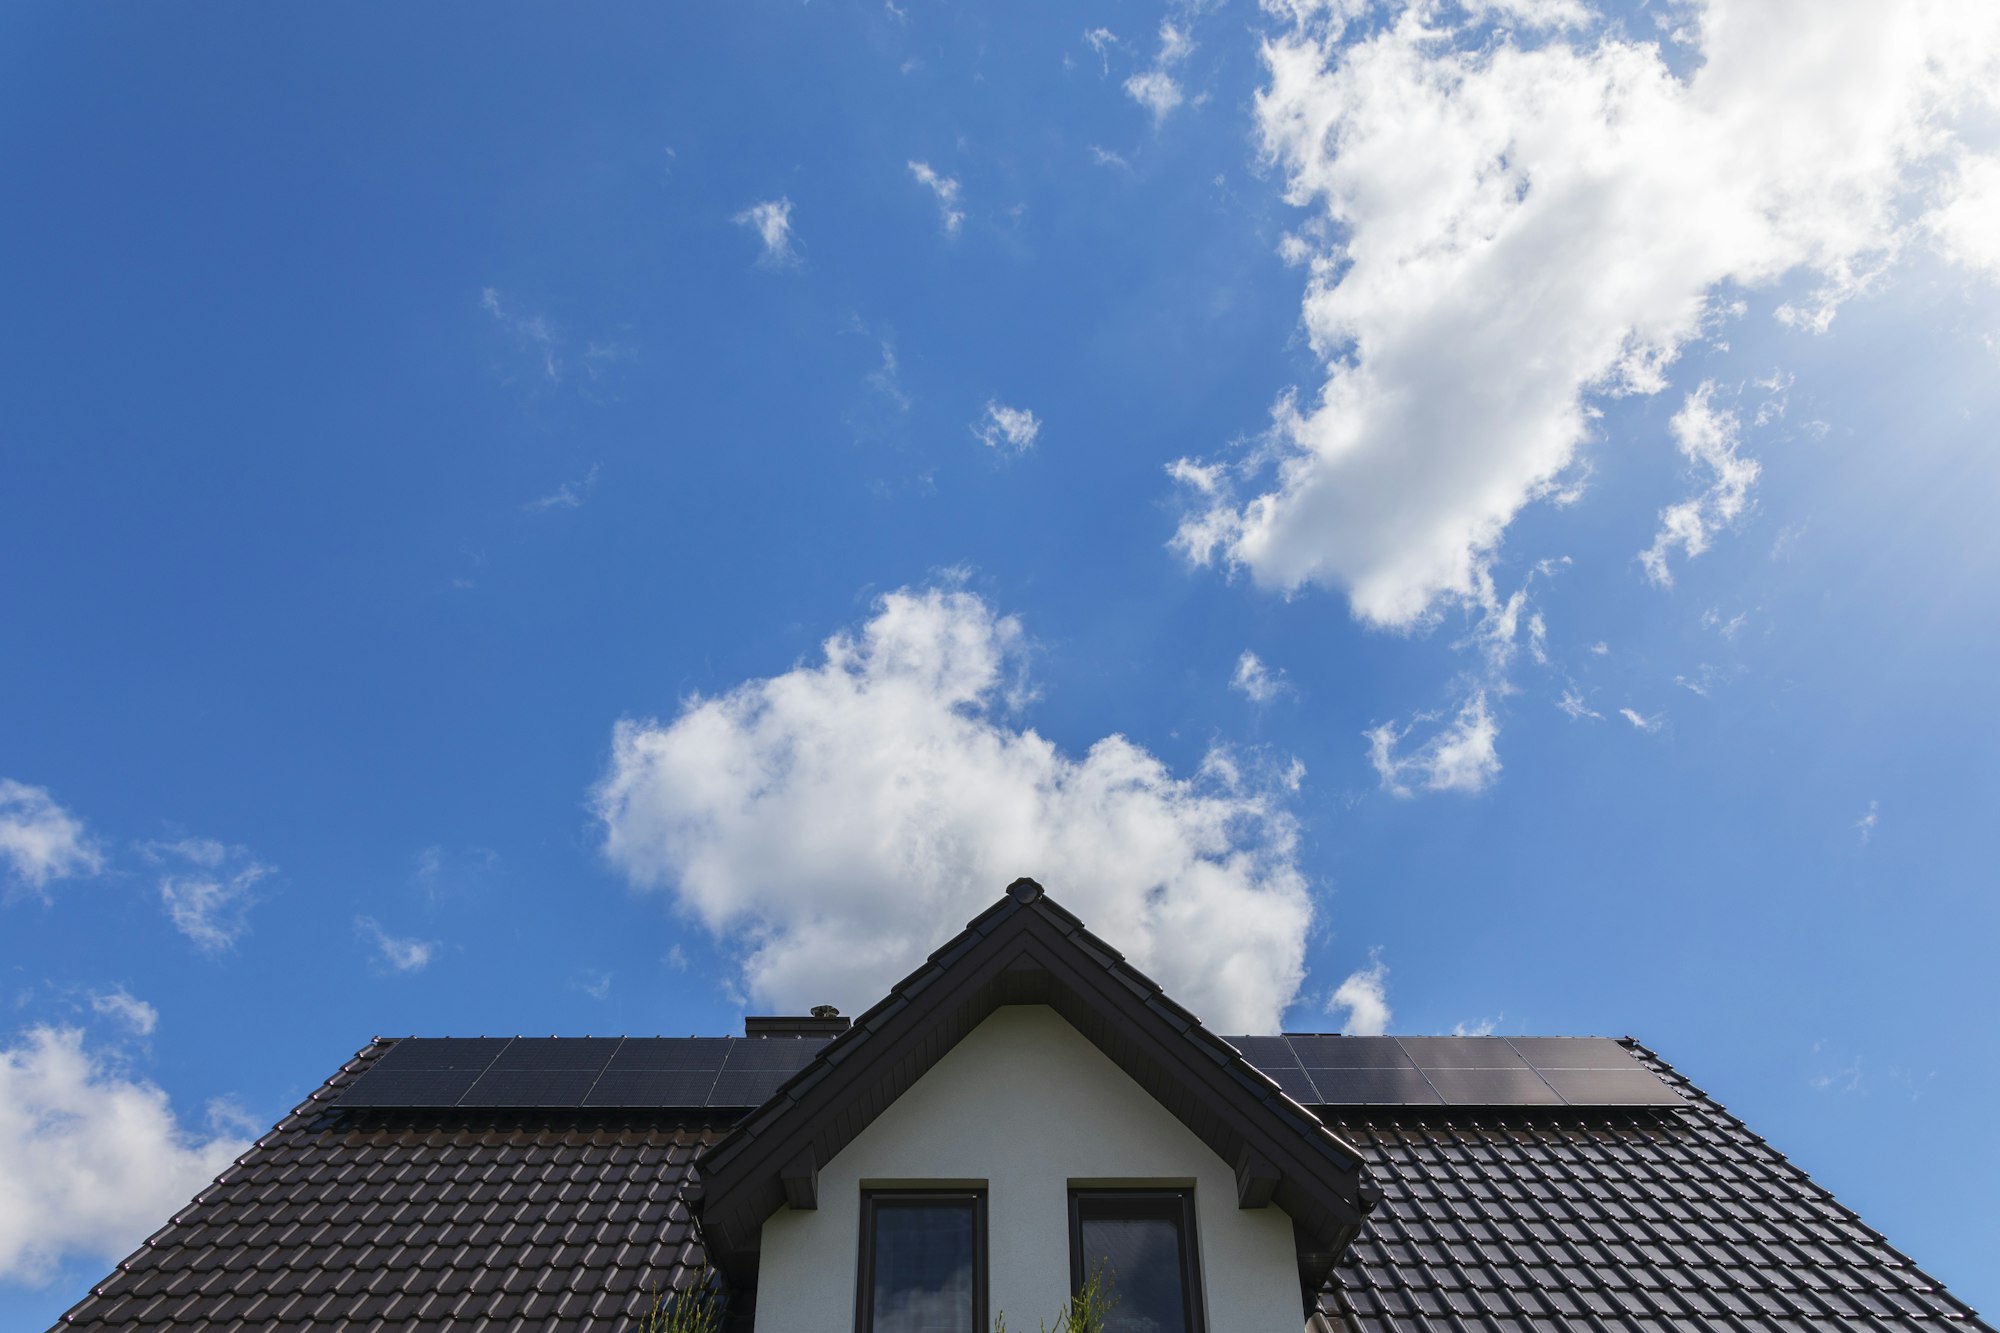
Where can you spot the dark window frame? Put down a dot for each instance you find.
(1174, 1203)
(864, 1282)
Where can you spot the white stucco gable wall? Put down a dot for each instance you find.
(1028, 1108)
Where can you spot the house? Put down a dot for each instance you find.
(1023, 1106)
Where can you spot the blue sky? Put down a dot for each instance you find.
(526, 525)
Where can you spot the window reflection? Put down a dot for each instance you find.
(924, 1256)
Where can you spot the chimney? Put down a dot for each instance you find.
(824, 1021)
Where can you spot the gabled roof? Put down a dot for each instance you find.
(1026, 949)
(1550, 1218)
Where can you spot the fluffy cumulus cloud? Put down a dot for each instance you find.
(1509, 220)
(207, 889)
(39, 840)
(844, 818)
(91, 1158)
(1364, 998)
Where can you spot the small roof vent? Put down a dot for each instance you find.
(824, 1021)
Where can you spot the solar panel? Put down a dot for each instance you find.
(1462, 1053)
(1492, 1087)
(685, 1053)
(1350, 1052)
(1612, 1087)
(441, 1053)
(1265, 1052)
(557, 1053)
(747, 1087)
(530, 1087)
(409, 1087)
(1295, 1083)
(1373, 1087)
(651, 1087)
(1572, 1052)
(790, 1054)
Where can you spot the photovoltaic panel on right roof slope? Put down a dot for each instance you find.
(1456, 1071)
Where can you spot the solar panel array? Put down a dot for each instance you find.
(1455, 1071)
(605, 1072)
(735, 1073)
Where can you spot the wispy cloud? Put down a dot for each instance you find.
(207, 889)
(1707, 437)
(594, 983)
(40, 841)
(950, 215)
(120, 1004)
(1011, 429)
(1459, 756)
(1641, 721)
(1573, 707)
(1870, 818)
(533, 332)
(1101, 40)
(772, 222)
(1256, 681)
(400, 952)
(569, 495)
(1104, 157)
(1364, 997)
(1157, 89)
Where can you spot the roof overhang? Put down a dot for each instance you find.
(1027, 950)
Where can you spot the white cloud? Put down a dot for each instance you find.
(950, 215)
(1012, 428)
(1707, 438)
(1101, 40)
(1257, 681)
(207, 889)
(772, 221)
(91, 1159)
(1575, 708)
(1460, 756)
(1600, 649)
(1156, 89)
(533, 332)
(1510, 231)
(399, 952)
(569, 495)
(1870, 817)
(41, 841)
(128, 1009)
(594, 983)
(1641, 721)
(1104, 157)
(843, 818)
(1966, 225)
(1364, 995)
(1482, 1028)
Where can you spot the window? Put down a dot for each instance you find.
(1145, 1241)
(923, 1262)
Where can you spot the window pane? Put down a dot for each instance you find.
(1142, 1255)
(923, 1267)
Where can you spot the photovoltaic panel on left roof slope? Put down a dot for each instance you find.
(519, 1073)
(1324, 1070)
